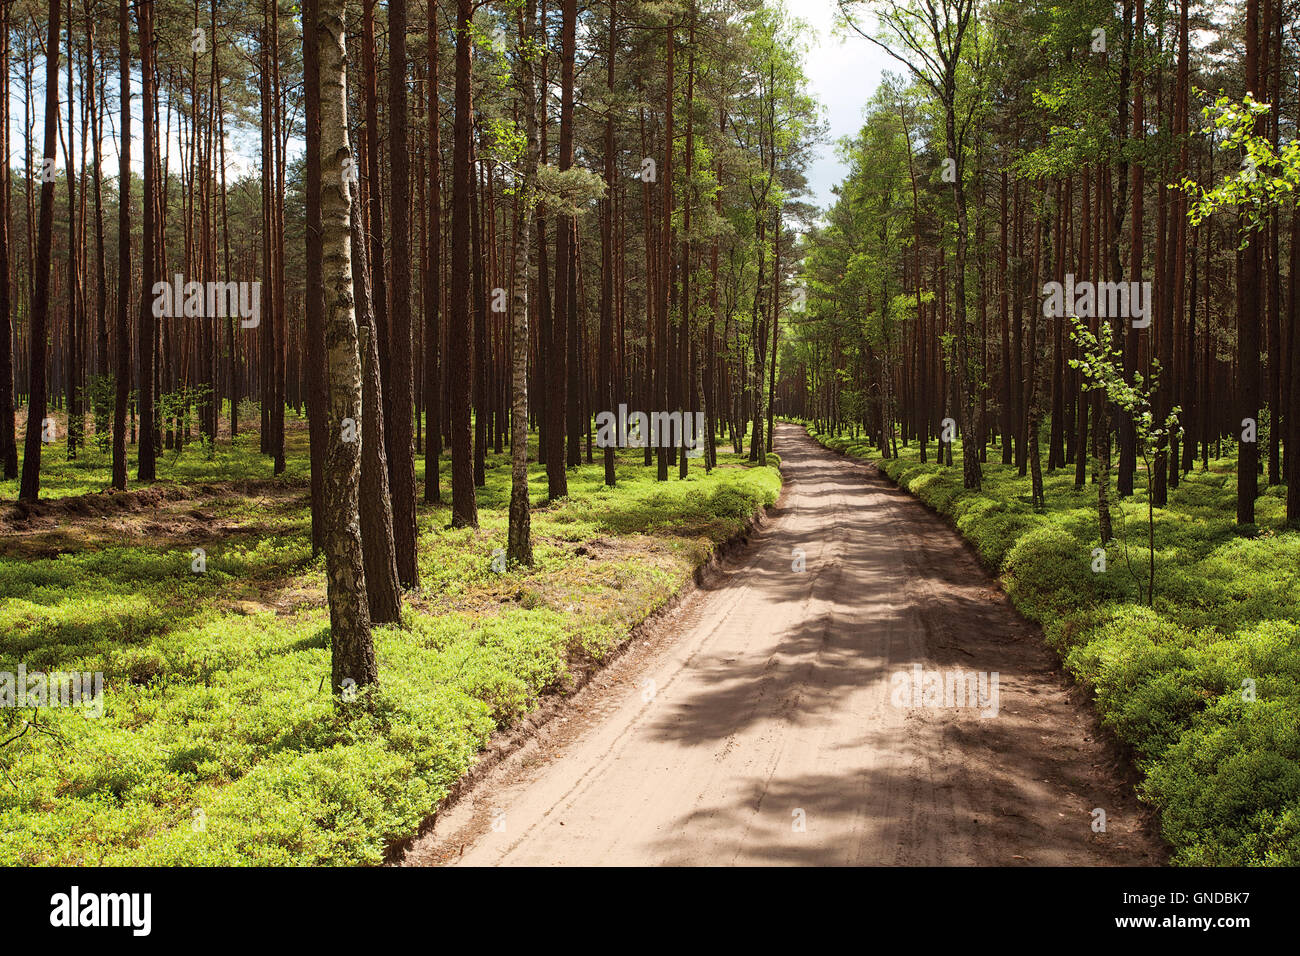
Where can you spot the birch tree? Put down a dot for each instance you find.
(352, 651)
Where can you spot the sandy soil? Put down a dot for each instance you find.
(758, 723)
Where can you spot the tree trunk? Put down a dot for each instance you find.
(519, 548)
(122, 368)
(606, 344)
(382, 579)
(464, 507)
(75, 329)
(314, 290)
(1248, 378)
(400, 420)
(8, 436)
(433, 275)
(352, 651)
(37, 395)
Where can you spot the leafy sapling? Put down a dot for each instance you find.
(1102, 368)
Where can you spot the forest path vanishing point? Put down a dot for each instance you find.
(755, 724)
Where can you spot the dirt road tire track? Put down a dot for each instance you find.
(755, 725)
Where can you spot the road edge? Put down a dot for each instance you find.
(1121, 754)
(558, 702)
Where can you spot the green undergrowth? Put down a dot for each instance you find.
(1204, 684)
(219, 742)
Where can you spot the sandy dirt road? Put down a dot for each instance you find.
(758, 723)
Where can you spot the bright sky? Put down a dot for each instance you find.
(843, 74)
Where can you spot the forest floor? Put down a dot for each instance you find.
(218, 741)
(761, 722)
